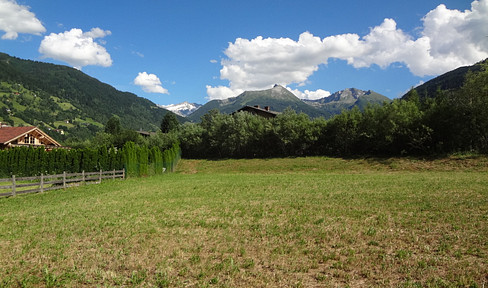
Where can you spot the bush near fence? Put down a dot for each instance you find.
(137, 160)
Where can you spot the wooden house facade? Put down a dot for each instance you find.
(25, 136)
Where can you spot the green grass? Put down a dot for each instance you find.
(89, 121)
(299, 222)
(63, 105)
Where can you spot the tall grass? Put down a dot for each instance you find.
(303, 222)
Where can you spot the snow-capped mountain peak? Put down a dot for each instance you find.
(183, 109)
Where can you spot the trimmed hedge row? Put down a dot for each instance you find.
(142, 161)
(137, 160)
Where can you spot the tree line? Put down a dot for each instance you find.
(447, 122)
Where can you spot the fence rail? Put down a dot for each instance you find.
(16, 185)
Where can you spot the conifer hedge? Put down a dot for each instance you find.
(137, 160)
(142, 161)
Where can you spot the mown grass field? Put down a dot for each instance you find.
(301, 222)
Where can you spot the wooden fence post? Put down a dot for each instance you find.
(13, 185)
(56, 181)
(42, 183)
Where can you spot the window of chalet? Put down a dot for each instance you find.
(29, 139)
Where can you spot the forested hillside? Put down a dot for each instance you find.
(59, 97)
(447, 82)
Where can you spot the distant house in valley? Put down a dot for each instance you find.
(256, 110)
(145, 134)
(25, 136)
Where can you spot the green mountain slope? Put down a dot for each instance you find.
(278, 98)
(450, 81)
(60, 97)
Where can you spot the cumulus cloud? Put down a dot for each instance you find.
(448, 39)
(150, 83)
(77, 48)
(15, 18)
(310, 95)
(222, 92)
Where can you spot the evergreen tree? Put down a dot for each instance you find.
(22, 161)
(143, 158)
(89, 160)
(31, 168)
(3, 163)
(112, 158)
(60, 160)
(76, 158)
(130, 159)
(43, 163)
(103, 158)
(156, 160)
(51, 162)
(169, 122)
(113, 126)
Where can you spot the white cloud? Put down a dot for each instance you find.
(138, 54)
(260, 62)
(310, 95)
(15, 18)
(221, 92)
(448, 39)
(150, 83)
(77, 48)
(97, 33)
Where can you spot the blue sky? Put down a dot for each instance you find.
(171, 51)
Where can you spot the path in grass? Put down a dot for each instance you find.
(303, 222)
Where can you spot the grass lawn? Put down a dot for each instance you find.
(300, 222)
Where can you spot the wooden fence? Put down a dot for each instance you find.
(22, 185)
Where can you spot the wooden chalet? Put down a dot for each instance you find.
(256, 110)
(25, 136)
(145, 134)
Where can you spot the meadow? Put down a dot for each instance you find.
(294, 222)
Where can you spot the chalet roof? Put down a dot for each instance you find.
(259, 111)
(145, 133)
(10, 134)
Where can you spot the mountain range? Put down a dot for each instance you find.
(279, 98)
(58, 97)
(347, 99)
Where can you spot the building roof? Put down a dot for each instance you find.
(10, 134)
(259, 111)
(145, 133)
